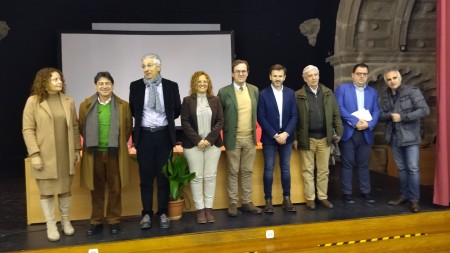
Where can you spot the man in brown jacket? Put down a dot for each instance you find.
(106, 125)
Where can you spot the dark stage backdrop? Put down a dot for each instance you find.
(265, 33)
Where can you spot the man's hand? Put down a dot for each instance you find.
(281, 138)
(294, 144)
(36, 163)
(362, 124)
(396, 117)
(336, 139)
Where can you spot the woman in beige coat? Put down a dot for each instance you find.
(50, 131)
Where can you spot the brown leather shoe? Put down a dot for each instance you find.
(310, 204)
(326, 203)
(287, 204)
(269, 207)
(400, 201)
(201, 216)
(232, 210)
(209, 215)
(249, 207)
(415, 207)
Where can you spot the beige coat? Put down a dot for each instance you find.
(125, 128)
(37, 130)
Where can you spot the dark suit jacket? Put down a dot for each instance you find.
(190, 125)
(346, 98)
(269, 116)
(172, 106)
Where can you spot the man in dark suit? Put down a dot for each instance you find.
(239, 101)
(277, 116)
(155, 104)
(358, 104)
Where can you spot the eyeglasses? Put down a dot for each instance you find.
(104, 83)
(361, 74)
(240, 71)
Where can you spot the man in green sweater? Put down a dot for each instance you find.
(106, 125)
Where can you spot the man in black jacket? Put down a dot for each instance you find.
(155, 104)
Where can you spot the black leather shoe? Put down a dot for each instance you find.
(94, 229)
(114, 228)
(347, 198)
(367, 198)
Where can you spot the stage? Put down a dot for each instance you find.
(293, 232)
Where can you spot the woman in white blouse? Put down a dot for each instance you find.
(202, 121)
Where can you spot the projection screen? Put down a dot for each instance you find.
(84, 54)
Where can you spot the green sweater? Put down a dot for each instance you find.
(104, 122)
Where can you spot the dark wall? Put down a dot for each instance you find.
(266, 32)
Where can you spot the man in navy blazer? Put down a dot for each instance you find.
(277, 116)
(356, 141)
(155, 104)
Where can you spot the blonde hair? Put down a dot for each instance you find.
(194, 80)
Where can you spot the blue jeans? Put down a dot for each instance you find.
(407, 160)
(284, 152)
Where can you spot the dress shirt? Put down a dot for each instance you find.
(150, 117)
(279, 98)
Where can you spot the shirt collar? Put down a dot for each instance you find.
(237, 86)
(107, 101)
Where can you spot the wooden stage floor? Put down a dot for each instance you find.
(388, 228)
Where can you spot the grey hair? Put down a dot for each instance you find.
(309, 68)
(152, 56)
(392, 70)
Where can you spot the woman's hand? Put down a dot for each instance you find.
(36, 163)
(77, 157)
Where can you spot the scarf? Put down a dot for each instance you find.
(153, 98)
(91, 126)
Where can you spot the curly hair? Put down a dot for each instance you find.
(194, 80)
(41, 82)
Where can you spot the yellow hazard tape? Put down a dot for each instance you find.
(371, 240)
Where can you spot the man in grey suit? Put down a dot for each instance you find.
(239, 101)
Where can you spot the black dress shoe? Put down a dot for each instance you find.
(348, 199)
(94, 229)
(367, 198)
(114, 228)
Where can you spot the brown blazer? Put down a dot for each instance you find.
(189, 122)
(37, 130)
(125, 128)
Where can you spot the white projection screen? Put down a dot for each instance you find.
(84, 54)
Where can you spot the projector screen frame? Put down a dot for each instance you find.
(81, 85)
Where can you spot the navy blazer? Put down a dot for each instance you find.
(172, 106)
(269, 116)
(346, 98)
